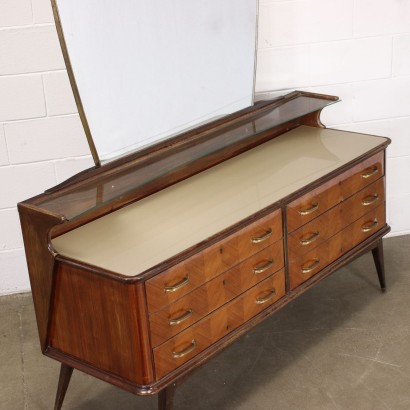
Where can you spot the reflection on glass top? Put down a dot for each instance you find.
(144, 234)
(86, 196)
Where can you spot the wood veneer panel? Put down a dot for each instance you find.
(212, 261)
(335, 219)
(334, 191)
(215, 293)
(335, 247)
(102, 322)
(36, 228)
(219, 324)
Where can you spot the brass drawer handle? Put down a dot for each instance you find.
(262, 268)
(181, 318)
(371, 199)
(184, 352)
(270, 295)
(308, 211)
(259, 239)
(314, 264)
(369, 172)
(311, 238)
(179, 285)
(368, 226)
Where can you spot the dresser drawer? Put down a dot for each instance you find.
(182, 313)
(303, 268)
(209, 330)
(326, 196)
(186, 276)
(314, 233)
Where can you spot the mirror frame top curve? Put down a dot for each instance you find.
(144, 71)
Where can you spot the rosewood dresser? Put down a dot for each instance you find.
(143, 269)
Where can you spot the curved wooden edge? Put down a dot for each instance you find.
(183, 371)
(36, 227)
(313, 119)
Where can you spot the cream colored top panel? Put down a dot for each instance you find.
(142, 235)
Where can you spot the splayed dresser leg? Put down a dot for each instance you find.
(379, 262)
(63, 382)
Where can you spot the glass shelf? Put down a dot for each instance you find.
(88, 195)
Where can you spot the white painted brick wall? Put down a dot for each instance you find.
(41, 138)
(356, 49)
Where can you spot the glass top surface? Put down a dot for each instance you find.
(142, 235)
(88, 195)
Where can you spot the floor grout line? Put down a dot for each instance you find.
(23, 369)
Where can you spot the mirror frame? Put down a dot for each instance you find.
(73, 83)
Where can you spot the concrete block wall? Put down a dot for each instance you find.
(41, 138)
(356, 49)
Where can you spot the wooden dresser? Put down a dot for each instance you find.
(143, 270)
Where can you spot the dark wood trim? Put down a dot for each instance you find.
(166, 397)
(127, 385)
(285, 248)
(170, 147)
(313, 120)
(63, 382)
(378, 257)
(36, 227)
(190, 136)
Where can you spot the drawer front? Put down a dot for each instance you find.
(186, 276)
(192, 307)
(319, 230)
(303, 268)
(209, 330)
(319, 200)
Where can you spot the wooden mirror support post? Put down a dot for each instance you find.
(252, 209)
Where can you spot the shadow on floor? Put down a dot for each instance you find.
(341, 345)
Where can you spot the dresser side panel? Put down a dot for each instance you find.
(36, 227)
(101, 322)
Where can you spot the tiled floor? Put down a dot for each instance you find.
(342, 345)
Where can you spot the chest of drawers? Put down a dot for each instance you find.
(139, 289)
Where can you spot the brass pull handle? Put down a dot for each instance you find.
(179, 285)
(308, 211)
(259, 239)
(311, 238)
(368, 226)
(270, 295)
(369, 172)
(181, 318)
(314, 264)
(262, 268)
(370, 199)
(184, 352)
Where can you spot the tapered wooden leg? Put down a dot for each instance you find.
(379, 262)
(166, 397)
(63, 381)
